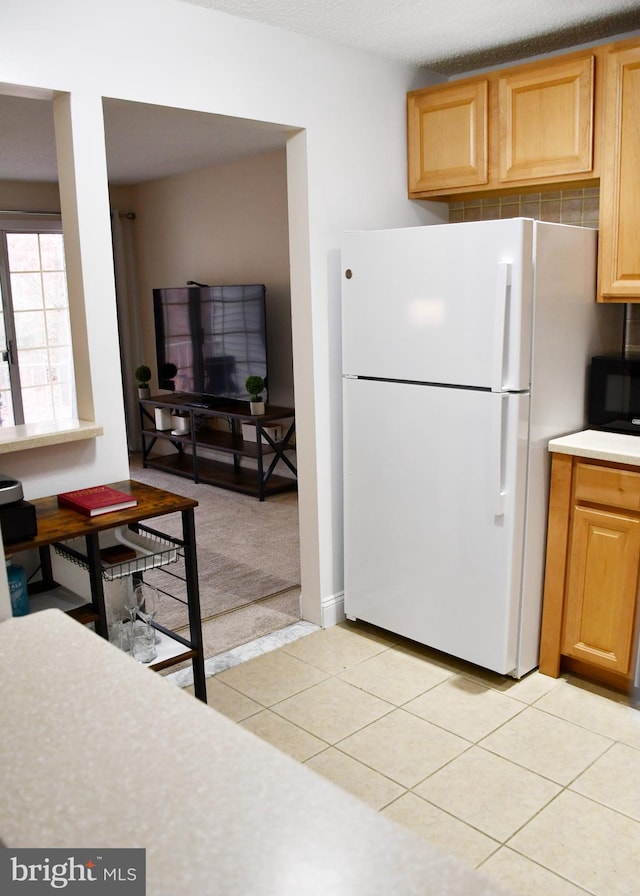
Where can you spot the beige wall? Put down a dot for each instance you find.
(29, 197)
(224, 224)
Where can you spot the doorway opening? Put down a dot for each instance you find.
(218, 218)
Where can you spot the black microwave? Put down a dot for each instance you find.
(613, 395)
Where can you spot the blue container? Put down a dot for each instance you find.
(17, 579)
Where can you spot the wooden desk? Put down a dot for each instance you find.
(59, 524)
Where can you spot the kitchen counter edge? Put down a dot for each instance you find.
(599, 445)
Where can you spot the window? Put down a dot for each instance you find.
(36, 357)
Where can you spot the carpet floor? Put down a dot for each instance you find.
(248, 562)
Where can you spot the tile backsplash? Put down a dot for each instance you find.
(632, 329)
(580, 207)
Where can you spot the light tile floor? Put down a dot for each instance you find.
(537, 782)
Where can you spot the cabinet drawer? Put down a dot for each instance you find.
(606, 485)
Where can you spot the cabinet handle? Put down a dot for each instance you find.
(503, 291)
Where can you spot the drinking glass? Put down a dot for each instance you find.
(145, 598)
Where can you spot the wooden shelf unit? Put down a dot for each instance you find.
(57, 525)
(188, 459)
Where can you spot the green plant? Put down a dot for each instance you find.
(254, 386)
(143, 375)
(166, 373)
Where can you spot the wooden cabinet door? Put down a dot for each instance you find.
(619, 264)
(447, 136)
(546, 120)
(602, 583)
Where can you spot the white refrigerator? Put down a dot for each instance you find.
(465, 349)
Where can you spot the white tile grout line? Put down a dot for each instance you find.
(245, 652)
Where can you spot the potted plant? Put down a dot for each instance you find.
(143, 375)
(166, 375)
(255, 385)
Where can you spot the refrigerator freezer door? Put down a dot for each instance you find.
(435, 482)
(446, 303)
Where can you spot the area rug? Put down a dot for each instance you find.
(225, 584)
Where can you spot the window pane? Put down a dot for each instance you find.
(60, 364)
(62, 400)
(55, 290)
(52, 252)
(30, 329)
(38, 404)
(39, 309)
(58, 332)
(34, 367)
(26, 290)
(24, 254)
(6, 409)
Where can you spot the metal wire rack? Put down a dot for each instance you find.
(152, 550)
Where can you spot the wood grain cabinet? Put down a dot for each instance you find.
(448, 133)
(545, 121)
(593, 569)
(521, 127)
(619, 263)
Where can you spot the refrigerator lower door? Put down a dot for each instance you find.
(435, 485)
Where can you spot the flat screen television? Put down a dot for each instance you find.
(215, 335)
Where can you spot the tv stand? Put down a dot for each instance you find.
(204, 401)
(265, 440)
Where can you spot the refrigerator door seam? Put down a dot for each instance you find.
(384, 379)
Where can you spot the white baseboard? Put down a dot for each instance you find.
(333, 610)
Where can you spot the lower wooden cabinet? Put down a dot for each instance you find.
(592, 573)
(601, 588)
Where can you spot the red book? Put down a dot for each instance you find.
(96, 500)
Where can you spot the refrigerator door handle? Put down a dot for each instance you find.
(499, 427)
(503, 292)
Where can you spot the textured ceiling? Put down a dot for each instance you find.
(448, 36)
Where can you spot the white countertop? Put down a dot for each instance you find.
(600, 445)
(98, 751)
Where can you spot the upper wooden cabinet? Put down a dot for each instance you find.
(619, 263)
(448, 128)
(545, 121)
(515, 128)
